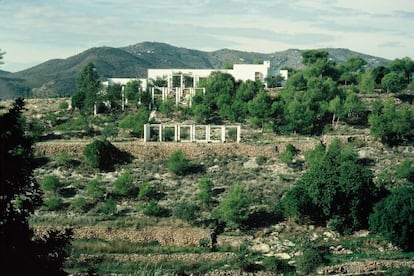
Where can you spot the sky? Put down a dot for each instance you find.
(34, 31)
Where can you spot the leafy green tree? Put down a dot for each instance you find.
(310, 57)
(404, 66)
(88, 85)
(260, 109)
(367, 82)
(234, 208)
(22, 253)
(393, 82)
(393, 217)
(113, 95)
(393, 125)
(274, 81)
(220, 90)
(341, 190)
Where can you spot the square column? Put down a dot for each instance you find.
(223, 134)
(160, 133)
(208, 133)
(147, 132)
(238, 134)
(176, 133)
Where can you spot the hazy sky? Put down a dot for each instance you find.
(33, 31)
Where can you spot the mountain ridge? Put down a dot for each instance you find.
(58, 76)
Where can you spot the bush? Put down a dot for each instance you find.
(53, 203)
(95, 188)
(406, 170)
(205, 186)
(178, 164)
(63, 159)
(393, 217)
(297, 204)
(155, 210)
(80, 204)
(187, 211)
(50, 183)
(103, 155)
(108, 207)
(310, 260)
(135, 122)
(124, 185)
(110, 130)
(234, 208)
(148, 192)
(287, 156)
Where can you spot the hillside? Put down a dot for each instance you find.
(58, 76)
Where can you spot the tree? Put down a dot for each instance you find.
(405, 66)
(367, 82)
(88, 85)
(393, 217)
(21, 252)
(310, 57)
(340, 188)
(205, 194)
(393, 125)
(260, 109)
(393, 82)
(234, 208)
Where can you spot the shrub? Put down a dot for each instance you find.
(108, 207)
(393, 217)
(309, 260)
(50, 183)
(406, 170)
(205, 194)
(187, 211)
(155, 210)
(297, 204)
(148, 192)
(53, 203)
(63, 105)
(261, 160)
(103, 155)
(80, 204)
(287, 156)
(234, 208)
(95, 188)
(135, 122)
(63, 159)
(110, 130)
(124, 185)
(178, 164)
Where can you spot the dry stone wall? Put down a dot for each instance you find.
(162, 150)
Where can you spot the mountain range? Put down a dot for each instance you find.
(58, 76)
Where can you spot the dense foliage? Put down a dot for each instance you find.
(393, 217)
(337, 190)
(104, 155)
(88, 85)
(21, 252)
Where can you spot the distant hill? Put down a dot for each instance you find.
(58, 76)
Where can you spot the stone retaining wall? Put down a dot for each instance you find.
(162, 150)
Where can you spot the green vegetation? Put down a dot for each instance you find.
(393, 217)
(234, 209)
(20, 196)
(179, 164)
(50, 183)
(124, 184)
(104, 155)
(337, 190)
